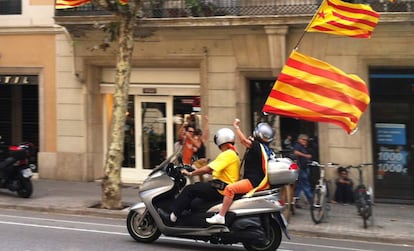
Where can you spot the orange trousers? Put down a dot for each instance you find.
(240, 187)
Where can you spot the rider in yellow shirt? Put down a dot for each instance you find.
(225, 169)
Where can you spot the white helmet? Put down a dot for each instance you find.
(263, 132)
(224, 135)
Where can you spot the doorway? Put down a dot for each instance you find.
(392, 117)
(19, 112)
(151, 127)
(148, 135)
(259, 91)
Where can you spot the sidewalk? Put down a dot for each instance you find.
(392, 223)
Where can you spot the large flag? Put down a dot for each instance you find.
(313, 90)
(65, 4)
(345, 19)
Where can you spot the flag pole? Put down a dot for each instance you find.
(307, 27)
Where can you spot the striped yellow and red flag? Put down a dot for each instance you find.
(65, 4)
(313, 90)
(345, 19)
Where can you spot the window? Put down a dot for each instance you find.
(10, 7)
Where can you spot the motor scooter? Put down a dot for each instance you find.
(256, 222)
(15, 170)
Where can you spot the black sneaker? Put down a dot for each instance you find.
(165, 217)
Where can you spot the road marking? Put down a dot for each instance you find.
(359, 241)
(62, 221)
(326, 246)
(104, 232)
(206, 243)
(62, 228)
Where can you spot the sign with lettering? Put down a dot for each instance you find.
(392, 159)
(390, 134)
(9, 79)
(392, 155)
(149, 90)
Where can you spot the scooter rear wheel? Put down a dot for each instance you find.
(142, 230)
(26, 188)
(274, 238)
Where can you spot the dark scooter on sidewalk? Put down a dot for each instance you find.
(257, 221)
(15, 170)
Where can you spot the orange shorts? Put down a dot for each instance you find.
(240, 187)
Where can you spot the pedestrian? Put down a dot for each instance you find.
(200, 156)
(302, 153)
(254, 178)
(344, 187)
(225, 169)
(287, 143)
(202, 136)
(188, 142)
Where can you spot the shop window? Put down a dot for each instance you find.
(10, 7)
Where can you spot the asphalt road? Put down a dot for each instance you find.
(35, 231)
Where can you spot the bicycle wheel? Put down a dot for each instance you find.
(366, 213)
(291, 188)
(318, 208)
(365, 216)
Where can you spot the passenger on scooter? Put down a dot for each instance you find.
(225, 169)
(254, 174)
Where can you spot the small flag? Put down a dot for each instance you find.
(65, 4)
(313, 90)
(345, 19)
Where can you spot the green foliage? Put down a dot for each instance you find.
(200, 7)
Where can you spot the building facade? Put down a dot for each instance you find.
(28, 73)
(219, 64)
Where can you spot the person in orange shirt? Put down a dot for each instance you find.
(190, 143)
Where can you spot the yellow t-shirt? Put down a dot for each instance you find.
(226, 167)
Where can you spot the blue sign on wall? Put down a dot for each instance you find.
(390, 134)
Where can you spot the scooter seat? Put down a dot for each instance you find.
(7, 162)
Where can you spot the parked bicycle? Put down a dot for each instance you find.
(363, 196)
(319, 209)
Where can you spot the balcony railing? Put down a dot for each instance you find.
(211, 8)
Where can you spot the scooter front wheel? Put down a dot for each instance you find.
(274, 238)
(142, 227)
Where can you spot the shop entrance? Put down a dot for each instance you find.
(148, 134)
(392, 116)
(151, 127)
(19, 111)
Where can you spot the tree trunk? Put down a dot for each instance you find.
(111, 184)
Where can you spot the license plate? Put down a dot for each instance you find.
(27, 173)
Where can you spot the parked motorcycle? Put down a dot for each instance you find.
(257, 222)
(15, 170)
(3, 149)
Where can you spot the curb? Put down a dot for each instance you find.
(382, 239)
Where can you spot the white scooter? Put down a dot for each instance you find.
(257, 222)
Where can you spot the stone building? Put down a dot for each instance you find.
(220, 61)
